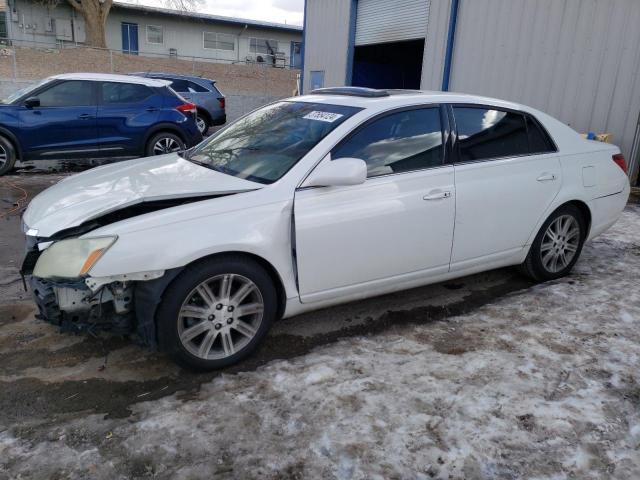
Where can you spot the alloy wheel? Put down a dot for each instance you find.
(220, 316)
(3, 155)
(166, 145)
(560, 243)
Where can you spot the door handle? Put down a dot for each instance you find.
(436, 195)
(546, 177)
(152, 109)
(85, 116)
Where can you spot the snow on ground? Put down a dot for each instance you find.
(542, 384)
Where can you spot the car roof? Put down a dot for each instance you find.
(173, 75)
(399, 98)
(109, 77)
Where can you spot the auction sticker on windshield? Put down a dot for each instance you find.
(323, 116)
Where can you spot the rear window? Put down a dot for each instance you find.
(485, 133)
(116, 92)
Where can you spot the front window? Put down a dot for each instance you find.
(265, 144)
(399, 142)
(74, 93)
(24, 91)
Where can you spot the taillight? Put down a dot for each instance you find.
(221, 100)
(187, 108)
(620, 161)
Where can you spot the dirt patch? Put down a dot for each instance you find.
(15, 312)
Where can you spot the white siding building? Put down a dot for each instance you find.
(157, 31)
(578, 60)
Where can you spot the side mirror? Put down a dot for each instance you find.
(32, 102)
(339, 172)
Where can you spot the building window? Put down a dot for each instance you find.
(3, 24)
(218, 41)
(263, 46)
(155, 34)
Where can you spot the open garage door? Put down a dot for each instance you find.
(389, 43)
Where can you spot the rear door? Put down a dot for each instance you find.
(64, 125)
(125, 113)
(506, 178)
(395, 228)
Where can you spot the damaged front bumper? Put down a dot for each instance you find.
(124, 304)
(72, 305)
(120, 304)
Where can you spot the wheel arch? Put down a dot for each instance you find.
(584, 210)
(203, 112)
(13, 140)
(149, 294)
(159, 128)
(264, 263)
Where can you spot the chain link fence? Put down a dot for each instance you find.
(247, 85)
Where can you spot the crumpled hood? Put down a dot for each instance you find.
(101, 190)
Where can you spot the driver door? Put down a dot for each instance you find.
(394, 230)
(64, 125)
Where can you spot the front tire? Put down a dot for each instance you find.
(163, 143)
(7, 156)
(557, 246)
(216, 312)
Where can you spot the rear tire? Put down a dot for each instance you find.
(557, 246)
(163, 143)
(216, 312)
(7, 156)
(203, 123)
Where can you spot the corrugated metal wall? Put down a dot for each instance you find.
(435, 45)
(578, 60)
(382, 21)
(326, 39)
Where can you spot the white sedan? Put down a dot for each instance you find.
(313, 201)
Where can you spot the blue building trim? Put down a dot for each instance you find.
(451, 37)
(304, 42)
(353, 13)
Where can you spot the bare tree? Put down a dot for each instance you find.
(183, 5)
(95, 14)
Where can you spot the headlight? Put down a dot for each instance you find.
(71, 258)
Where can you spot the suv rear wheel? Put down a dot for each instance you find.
(163, 143)
(7, 155)
(203, 122)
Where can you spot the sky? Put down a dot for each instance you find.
(279, 11)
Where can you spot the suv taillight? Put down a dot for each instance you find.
(187, 108)
(221, 100)
(620, 161)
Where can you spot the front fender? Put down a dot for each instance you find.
(263, 231)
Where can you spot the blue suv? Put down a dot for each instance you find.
(208, 98)
(88, 115)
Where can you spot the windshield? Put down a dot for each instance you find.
(265, 144)
(23, 91)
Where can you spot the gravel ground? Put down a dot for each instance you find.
(503, 380)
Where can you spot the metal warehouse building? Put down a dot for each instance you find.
(578, 60)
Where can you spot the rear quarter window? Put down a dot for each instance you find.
(539, 139)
